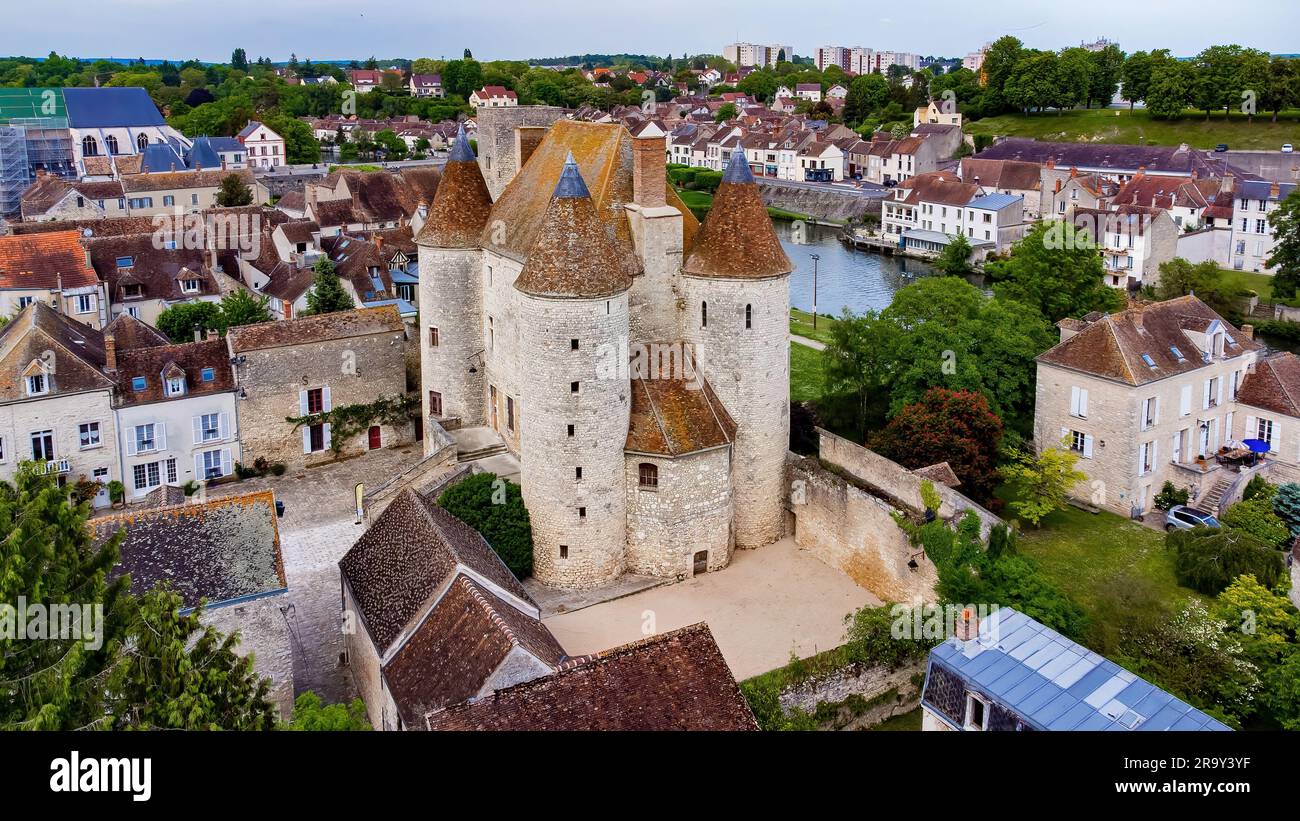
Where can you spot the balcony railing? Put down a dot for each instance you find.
(57, 466)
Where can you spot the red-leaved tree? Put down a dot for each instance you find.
(950, 426)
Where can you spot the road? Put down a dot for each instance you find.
(1271, 165)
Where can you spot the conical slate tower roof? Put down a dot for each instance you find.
(574, 256)
(462, 203)
(737, 240)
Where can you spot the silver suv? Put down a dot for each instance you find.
(1181, 517)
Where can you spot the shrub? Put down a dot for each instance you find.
(1286, 504)
(495, 508)
(1258, 487)
(1170, 496)
(278, 468)
(1256, 517)
(1208, 560)
(869, 639)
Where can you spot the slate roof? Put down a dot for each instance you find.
(1104, 156)
(673, 416)
(309, 329)
(110, 108)
(1263, 190)
(737, 239)
(191, 357)
(222, 549)
(1112, 346)
(574, 256)
(1051, 683)
(672, 681)
(995, 202)
(1274, 385)
(408, 552)
(38, 328)
(458, 646)
(44, 261)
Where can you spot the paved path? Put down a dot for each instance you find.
(768, 603)
(808, 343)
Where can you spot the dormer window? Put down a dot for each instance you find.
(190, 286)
(132, 291)
(175, 386)
(37, 384)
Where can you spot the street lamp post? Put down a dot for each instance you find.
(815, 257)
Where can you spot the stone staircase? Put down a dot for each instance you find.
(480, 453)
(1211, 501)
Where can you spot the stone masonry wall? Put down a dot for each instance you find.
(496, 139)
(451, 300)
(595, 542)
(749, 369)
(851, 530)
(62, 413)
(688, 513)
(870, 684)
(264, 633)
(357, 370)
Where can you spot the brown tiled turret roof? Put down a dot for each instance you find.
(737, 240)
(574, 256)
(461, 205)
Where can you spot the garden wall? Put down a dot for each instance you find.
(853, 697)
(819, 203)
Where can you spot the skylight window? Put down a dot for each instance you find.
(1173, 349)
(137, 383)
(125, 262)
(1146, 357)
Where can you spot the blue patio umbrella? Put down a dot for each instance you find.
(1256, 445)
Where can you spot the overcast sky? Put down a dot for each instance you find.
(520, 29)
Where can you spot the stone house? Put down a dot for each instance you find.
(1012, 177)
(225, 551)
(179, 192)
(175, 409)
(1062, 192)
(1134, 241)
(54, 269)
(143, 280)
(313, 365)
(1145, 396)
(1252, 227)
(437, 617)
(1269, 397)
(54, 198)
(56, 399)
(263, 147)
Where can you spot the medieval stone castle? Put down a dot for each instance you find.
(562, 248)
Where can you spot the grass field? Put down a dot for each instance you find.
(805, 373)
(801, 325)
(1100, 560)
(701, 201)
(1261, 284)
(1105, 125)
(905, 722)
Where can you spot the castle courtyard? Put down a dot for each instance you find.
(765, 605)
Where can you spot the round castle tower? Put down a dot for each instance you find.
(736, 288)
(451, 293)
(573, 312)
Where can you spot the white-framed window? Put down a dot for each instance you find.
(171, 470)
(88, 435)
(1264, 430)
(144, 438)
(190, 286)
(2, 449)
(209, 427)
(37, 384)
(42, 445)
(1079, 402)
(212, 464)
(977, 713)
(1147, 458)
(146, 476)
(85, 303)
(175, 385)
(1150, 412)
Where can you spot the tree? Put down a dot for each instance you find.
(1286, 504)
(1282, 89)
(1136, 77)
(956, 427)
(179, 674)
(955, 259)
(867, 95)
(1286, 251)
(1178, 277)
(727, 111)
(233, 192)
(239, 60)
(243, 307)
(1209, 559)
(857, 359)
(1074, 72)
(1172, 86)
(1217, 69)
(1107, 69)
(48, 558)
(1042, 483)
(1056, 269)
(327, 294)
(1000, 63)
(1036, 83)
(310, 715)
(495, 508)
(1251, 81)
(179, 321)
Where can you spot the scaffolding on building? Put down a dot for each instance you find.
(15, 173)
(34, 137)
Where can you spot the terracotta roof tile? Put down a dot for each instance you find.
(309, 329)
(44, 261)
(192, 358)
(461, 206)
(737, 239)
(1274, 385)
(672, 416)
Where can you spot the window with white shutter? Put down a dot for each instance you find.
(1185, 401)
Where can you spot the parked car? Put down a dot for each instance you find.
(1182, 517)
(1288, 148)
(1220, 148)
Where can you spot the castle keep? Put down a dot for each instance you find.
(636, 361)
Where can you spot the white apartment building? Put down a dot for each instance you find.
(1134, 241)
(1252, 232)
(754, 54)
(263, 147)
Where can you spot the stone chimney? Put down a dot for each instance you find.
(1248, 331)
(212, 334)
(1051, 162)
(198, 332)
(650, 169)
(110, 353)
(1274, 191)
(1226, 183)
(967, 626)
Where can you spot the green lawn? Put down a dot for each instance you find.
(1134, 127)
(1096, 558)
(1261, 284)
(805, 373)
(801, 325)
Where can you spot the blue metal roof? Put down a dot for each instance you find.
(571, 185)
(224, 143)
(404, 277)
(994, 202)
(159, 157)
(110, 108)
(1261, 189)
(1052, 683)
(204, 154)
(738, 168)
(404, 308)
(460, 150)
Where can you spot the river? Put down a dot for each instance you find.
(857, 280)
